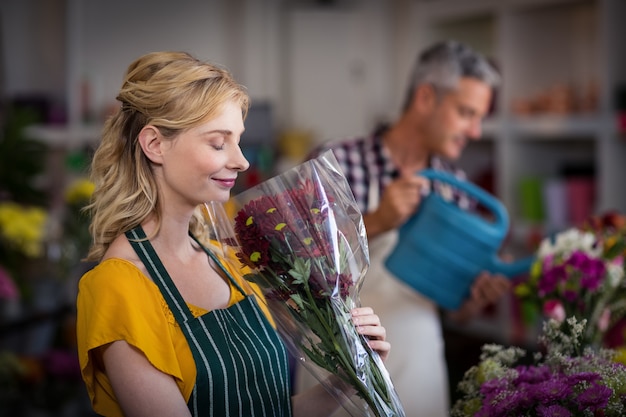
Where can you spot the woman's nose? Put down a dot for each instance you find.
(239, 161)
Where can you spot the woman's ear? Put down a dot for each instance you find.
(150, 141)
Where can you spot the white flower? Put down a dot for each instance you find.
(615, 274)
(565, 243)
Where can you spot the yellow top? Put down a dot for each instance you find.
(116, 301)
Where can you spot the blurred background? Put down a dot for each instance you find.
(553, 150)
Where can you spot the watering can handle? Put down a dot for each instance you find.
(494, 205)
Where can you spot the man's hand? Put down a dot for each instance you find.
(487, 289)
(398, 202)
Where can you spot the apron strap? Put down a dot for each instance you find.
(220, 265)
(140, 243)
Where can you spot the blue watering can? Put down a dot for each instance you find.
(443, 248)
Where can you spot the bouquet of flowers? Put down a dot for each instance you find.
(579, 272)
(567, 380)
(302, 235)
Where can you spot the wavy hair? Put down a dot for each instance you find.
(173, 91)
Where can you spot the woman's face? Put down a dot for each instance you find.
(202, 163)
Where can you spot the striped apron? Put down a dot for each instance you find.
(241, 361)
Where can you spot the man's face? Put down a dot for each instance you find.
(456, 117)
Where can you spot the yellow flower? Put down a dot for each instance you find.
(620, 355)
(23, 228)
(522, 290)
(79, 191)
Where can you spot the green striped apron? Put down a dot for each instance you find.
(240, 359)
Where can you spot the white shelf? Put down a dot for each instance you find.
(558, 127)
(65, 136)
(492, 128)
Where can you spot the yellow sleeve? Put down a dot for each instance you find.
(117, 302)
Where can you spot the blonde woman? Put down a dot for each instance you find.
(164, 327)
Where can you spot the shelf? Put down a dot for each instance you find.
(439, 10)
(450, 10)
(555, 127)
(542, 4)
(65, 136)
(571, 127)
(492, 128)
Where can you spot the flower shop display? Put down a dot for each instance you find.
(579, 272)
(32, 383)
(565, 379)
(302, 239)
(39, 372)
(22, 242)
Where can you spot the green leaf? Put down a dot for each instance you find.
(22, 160)
(298, 300)
(301, 270)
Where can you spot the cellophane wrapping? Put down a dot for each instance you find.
(300, 237)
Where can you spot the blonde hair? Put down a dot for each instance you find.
(170, 90)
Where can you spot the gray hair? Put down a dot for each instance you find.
(443, 64)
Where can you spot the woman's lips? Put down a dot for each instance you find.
(226, 182)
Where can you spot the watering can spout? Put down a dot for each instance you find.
(511, 269)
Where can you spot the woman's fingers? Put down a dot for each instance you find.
(368, 324)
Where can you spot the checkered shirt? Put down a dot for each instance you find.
(365, 161)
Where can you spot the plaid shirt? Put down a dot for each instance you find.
(365, 162)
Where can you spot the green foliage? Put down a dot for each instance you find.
(22, 159)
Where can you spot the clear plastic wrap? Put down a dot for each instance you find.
(300, 236)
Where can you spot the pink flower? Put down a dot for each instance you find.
(8, 289)
(618, 260)
(554, 309)
(604, 320)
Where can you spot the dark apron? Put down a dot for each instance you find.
(241, 361)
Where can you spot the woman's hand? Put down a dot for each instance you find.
(368, 324)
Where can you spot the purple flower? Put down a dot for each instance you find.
(505, 403)
(8, 289)
(551, 278)
(551, 390)
(596, 397)
(570, 296)
(532, 374)
(62, 364)
(589, 377)
(554, 410)
(494, 387)
(510, 404)
(592, 269)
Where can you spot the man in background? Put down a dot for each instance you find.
(450, 92)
